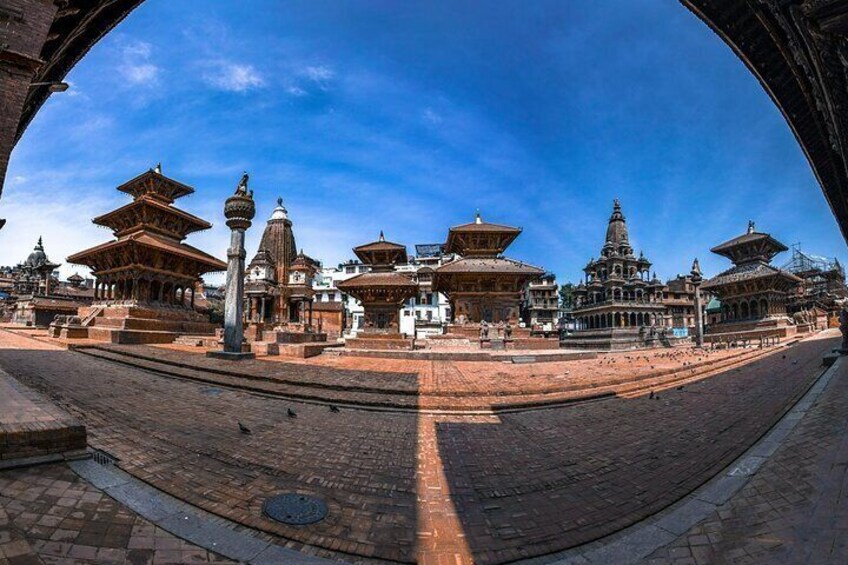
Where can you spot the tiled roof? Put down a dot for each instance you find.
(489, 264)
(748, 238)
(745, 272)
(150, 240)
(376, 279)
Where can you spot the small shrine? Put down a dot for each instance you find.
(146, 277)
(753, 293)
(382, 292)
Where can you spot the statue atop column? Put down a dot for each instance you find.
(239, 209)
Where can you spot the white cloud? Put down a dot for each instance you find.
(431, 116)
(319, 73)
(233, 77)
(136, 66)
(63, 220)
(297, 91)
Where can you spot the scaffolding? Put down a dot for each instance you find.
(824, 279)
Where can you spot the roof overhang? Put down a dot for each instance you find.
(793, 47)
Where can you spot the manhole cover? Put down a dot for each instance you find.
(295, 509)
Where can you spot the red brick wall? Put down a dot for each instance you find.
(23, 29)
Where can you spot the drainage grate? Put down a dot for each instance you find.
(102, 458)
(295, 509)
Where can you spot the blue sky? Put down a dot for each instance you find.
(407, 117)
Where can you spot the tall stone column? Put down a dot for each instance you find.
(239, 211)
(699, 322)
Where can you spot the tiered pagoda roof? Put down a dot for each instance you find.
(480, 239)
(751, 254)
(382, 283)
(480, 245)
(149, 233)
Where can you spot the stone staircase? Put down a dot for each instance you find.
(142, 324)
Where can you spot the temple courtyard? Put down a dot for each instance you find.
(427, 461)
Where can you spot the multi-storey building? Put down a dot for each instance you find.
(540, 304)
(429, 311)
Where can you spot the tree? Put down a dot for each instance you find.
(566, 296)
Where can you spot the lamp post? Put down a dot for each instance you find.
(697, 279)
(239, 210)
(56, 86)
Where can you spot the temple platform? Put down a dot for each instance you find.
(618, 339)
(32, 427)
(380, 341)
(774, 328)
(517, 356)
(132, 324)
(472, 331)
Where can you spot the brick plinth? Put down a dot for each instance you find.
(30, 426)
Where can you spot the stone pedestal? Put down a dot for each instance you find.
(231, 355)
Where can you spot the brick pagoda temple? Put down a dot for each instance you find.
(753, 294)
(146, 277)
(382, 292)
(482, 284)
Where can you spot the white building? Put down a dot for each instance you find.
(324, 285)
(429, 311)
(424, 314)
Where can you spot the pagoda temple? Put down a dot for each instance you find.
(619, 299)
(753, 294)
(382, 292)
(482, 284)
(146, 277)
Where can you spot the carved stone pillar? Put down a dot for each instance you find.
(699, 322)
(239, 211)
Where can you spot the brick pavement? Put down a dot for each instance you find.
(438, 385)
(432, 488)
(793, 510)
(50, 515)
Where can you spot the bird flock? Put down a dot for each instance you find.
(290, 413)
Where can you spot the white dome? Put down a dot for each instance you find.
(280, 212)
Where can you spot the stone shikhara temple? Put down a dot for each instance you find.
(278, 282)
(753, 294)
(146, 277)
(483, 285)
(382, 292)
(620, 306)
(618, 297)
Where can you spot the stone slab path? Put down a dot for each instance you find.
(794, 509)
